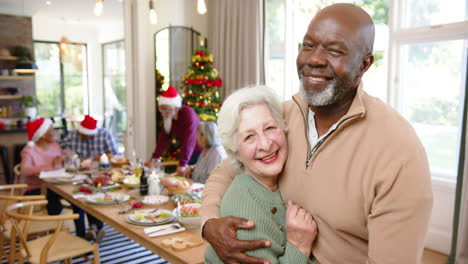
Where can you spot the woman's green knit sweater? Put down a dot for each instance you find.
(247, 198)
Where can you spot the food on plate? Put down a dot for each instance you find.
(86, 164)
(186, 198)
(102, 198)
(118, 161)
(157, 216)
(117, 175)
(189, 215)
(132, 181)
(189, 210)
(155, 199)
(102, 180)
(176, 184)
(85, 190)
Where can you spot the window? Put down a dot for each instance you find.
(286, 24)
(426, 46)
(62, 81)
(429, 76)
(419, 13)
(114, 90)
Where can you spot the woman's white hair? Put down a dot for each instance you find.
(210, 131)
(228, 118)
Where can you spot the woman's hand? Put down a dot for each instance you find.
(57, 162)
(301, 228)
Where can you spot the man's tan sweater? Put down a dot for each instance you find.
(367, 184)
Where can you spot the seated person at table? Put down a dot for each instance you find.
(253, 133)
(89, 141)
(212, 154)
(43, 153)
(181, 122)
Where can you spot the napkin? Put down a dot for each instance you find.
(163, 230)
(54, 174)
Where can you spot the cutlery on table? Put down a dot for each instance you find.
(163, 230)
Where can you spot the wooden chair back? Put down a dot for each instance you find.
(10, 194)
(21, 216)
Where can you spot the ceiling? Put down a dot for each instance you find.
(67, 11)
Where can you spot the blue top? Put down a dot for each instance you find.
(101, 142)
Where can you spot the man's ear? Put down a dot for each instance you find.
(366, 63)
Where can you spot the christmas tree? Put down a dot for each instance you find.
(159, 82)
(201, 86)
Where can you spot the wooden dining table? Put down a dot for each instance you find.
(109, 214)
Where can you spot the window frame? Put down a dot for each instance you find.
(398, 37)
(86, 102)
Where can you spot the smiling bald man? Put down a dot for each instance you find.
(353, 162)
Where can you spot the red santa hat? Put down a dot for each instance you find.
(170, 97)
(36, 129)
(88, 126)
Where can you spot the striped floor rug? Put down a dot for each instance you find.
(118, 249)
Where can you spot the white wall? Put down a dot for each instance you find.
(439, 236)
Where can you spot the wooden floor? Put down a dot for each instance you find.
(433, 257)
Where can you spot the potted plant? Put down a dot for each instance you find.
(29, 103)
(25, 64)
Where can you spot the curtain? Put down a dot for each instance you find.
(235, 36)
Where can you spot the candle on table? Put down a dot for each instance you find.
(104, 159)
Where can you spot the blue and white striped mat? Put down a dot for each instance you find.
(118, 249)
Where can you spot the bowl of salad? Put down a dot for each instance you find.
(189, 215)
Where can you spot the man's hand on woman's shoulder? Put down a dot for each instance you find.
(221, 233)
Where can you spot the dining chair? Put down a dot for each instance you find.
(10, 194)
(58, 246)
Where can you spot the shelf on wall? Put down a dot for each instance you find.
(10, 97)
(18, 77)
(8, 58)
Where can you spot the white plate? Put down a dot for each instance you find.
(72, 179)
(116, 198)
(132, 219)
(155, 199)
(102, 188)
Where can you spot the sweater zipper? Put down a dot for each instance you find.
(306, 127)
(320, 142)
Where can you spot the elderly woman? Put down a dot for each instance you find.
(212, 154)
(43, 153)
(254, 136)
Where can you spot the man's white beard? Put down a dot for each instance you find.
(322, 98)
(167, 124)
